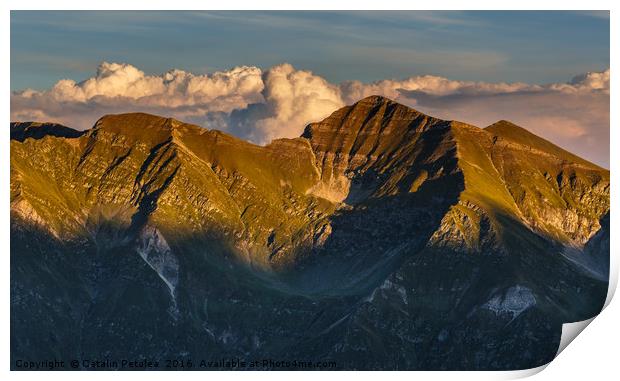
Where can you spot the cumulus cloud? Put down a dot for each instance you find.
(278, 102)
(123, 88)
(428, 84)
(233, 89)
(292, 99)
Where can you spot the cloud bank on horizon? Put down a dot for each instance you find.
(261, 105)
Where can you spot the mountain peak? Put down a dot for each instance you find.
(374, 99)
(136, 120)
(379, 100)
(143, 126)
(368, 115)
(516, 134)
(506, 128)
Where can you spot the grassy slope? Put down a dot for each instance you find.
(520, 135)
(199, 180)
(511, 172)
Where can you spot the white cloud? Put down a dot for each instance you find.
(220, 91)
(592, 81)
(294, 98)
(280, 101)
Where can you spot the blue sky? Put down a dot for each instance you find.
(533, 47)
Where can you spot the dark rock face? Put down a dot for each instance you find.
(381, 239)
(21, 131)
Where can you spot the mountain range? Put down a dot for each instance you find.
(382, 238)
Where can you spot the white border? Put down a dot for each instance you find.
(592, 355)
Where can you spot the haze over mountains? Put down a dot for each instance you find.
(381, 238)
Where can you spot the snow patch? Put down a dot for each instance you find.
(155, 251)
(514, 301)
